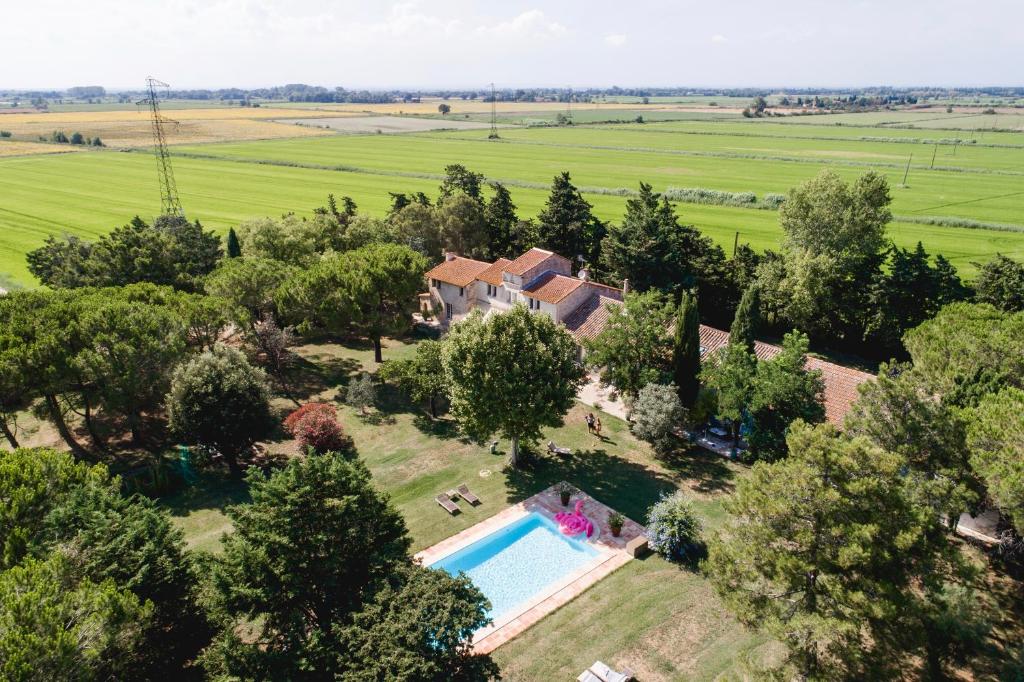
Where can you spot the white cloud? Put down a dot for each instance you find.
(719, 38)
(531, 23)
(616, 39)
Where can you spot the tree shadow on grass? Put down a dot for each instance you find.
(307, 378)
(442, 427)
(625, 486)
(212, 490)
(709, 471)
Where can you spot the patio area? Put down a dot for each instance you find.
(612, 554)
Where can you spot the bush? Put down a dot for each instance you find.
(656, 412)
(315, 426)
(674, 529)
(361, 393)
(77, 138)
(5, 133)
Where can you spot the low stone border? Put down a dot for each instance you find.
(612, 555)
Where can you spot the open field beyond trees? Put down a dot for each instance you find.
(963, 196)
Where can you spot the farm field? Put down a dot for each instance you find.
(1007, 118)
(75, 193)
(385, 124)
(534, 156)
(131, 128)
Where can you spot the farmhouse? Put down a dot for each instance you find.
(543, 282)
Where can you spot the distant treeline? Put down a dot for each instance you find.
(300, 92)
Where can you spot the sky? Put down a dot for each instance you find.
(514, 43)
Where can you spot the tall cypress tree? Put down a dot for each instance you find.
(748, 318)
(501, 218)
(234, 248)
(686, 351)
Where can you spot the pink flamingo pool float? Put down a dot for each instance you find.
(575, 523)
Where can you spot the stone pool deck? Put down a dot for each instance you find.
(611, 555)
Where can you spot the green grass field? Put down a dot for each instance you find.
(222, 184)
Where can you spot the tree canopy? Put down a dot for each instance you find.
(513, 373)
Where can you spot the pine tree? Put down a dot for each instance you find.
(234, 248)
(747, 319)
(686, 351)
(500, 216)
(567, 226)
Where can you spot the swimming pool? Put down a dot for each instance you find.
(518, 562)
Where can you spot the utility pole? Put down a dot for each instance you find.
(169, 202)
(907, 171)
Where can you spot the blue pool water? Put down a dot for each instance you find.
(515, 563)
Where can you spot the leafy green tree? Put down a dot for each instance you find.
(832, 252)
(655, 414)
(907, 294)
(673, 527)
(289, 240)
(1001, 283)
(422, 376)
(463, 225)
(316, 542)
(686, 350)
(567, 224)
(784, 390)
(459, 179)
(219, 400)
(128, 354)
(634, 348)
(823, 549)
(361, 393)
(968, 350)
(653, 251)
(61, 263)
(996, 440)
(898, 412)
(444, 108)
(370, 291)
(55, 627)
(513, 374)
(747, 319)
(386, 638)
(730, 374)
(502, 223)
(234, 247)
(248, 286)
(416, 226)
(364, 230)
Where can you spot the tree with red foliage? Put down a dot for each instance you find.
(315, 426)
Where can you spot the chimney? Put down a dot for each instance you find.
(625, 287)
(449, 255)
(584, 275)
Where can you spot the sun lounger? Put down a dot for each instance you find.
(554, 449)
(600, 672)
(448, 505)
(464, 493)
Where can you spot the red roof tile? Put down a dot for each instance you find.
(530, 259)
(840, 382)
(590, 318)
(552, 287)
(459, 271)
(492, 275)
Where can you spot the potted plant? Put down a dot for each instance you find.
(615, 521)
(565, 491)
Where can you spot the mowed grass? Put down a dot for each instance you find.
(89, 194)
(663, 621)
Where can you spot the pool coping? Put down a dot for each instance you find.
(612, 555)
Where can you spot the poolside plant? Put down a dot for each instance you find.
(673, 528)
(615, 521)
(565, 491)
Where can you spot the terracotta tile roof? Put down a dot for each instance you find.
(590, 318)
(492, 275)
(552, 287)
(840, 382)
(530, 259)
(459, 271)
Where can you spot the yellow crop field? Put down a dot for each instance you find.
(459, 106)
(191, 126)
(19, 148)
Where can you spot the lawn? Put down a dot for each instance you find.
(663, 621)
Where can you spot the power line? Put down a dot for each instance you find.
(169, 202)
